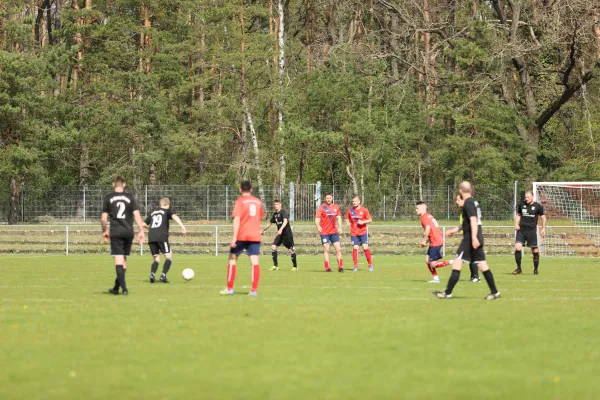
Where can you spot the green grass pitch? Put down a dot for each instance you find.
(309, 335)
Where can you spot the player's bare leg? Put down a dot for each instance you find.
(436, 278)
(255, 274)
(231, 267)
(536, 259)
(368, 256)
(489, 278)
(166, 267)
(274, 255)
(326, 247)
(154, 268)
(518, 256)
(338, 254)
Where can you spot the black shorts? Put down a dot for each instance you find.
(287, 241)
(120, 246)
(527, 237)
(468, 254)
(159, 247)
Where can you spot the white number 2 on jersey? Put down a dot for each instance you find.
(121, 213)
(156, 221)
(252, 210)
(435, 223)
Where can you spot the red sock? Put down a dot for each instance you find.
(340, 263)
(368, 255)
(440, 264)
(432, 270)
(355, 257)
(230, 276)
(327, 266)
(255, 277)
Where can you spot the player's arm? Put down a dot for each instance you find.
(365, 221)
(285, 222)
(140, 223)
(318, 224)
(517, 221)
(425, 236)
(348, 219)
(543, 231)
(266, 227)
(236, 229)
(104, 224)
(453, 231)
(178, 220)
(474, 230)
(339, 224)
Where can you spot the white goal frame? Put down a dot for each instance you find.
(578, 204)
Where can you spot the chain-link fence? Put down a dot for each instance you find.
(215, 202)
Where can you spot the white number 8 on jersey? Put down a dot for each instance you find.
(252, 210)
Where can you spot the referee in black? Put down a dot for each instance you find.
(121, 208)
(285, 236)
(471, 247)
(526, 223)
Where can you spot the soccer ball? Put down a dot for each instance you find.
(188, 274)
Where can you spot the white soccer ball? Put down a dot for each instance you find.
(188, 274)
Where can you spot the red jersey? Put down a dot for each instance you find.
(354, 215)
(328, 215)
(250, 211)
(435, 234)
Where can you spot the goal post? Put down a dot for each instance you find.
(573, 210)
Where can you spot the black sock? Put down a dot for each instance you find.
(489, 278)
(453, 281)
(518, 257)
(536, 261)
(154, 267)
(474, 270)
(274, 255)
(121, 277)
(116, 287)
(293, 255)
(167, 266)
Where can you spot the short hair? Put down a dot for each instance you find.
(165, 202)
(357, 197)
(119, 181)
(277, 201)
(328, 194)
(420, 202)
(246, 186)
(465, 186)
(528, 191)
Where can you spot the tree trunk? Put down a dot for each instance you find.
(350, 168)
(301, 164)
(152, 177)
(597, 34)
(13, 211)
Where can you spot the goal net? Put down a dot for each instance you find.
(573, 211)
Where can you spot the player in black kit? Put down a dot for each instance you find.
(285, 236)
(471, 247)
(526, 223)
(121, 208)
(158, 237)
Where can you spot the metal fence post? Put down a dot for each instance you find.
(318, 195)
(448, 203)
(67, 240)
(207, 202)
(216, 240)
(84, 203)
(292, 204)
(22, 204)
(384, 207)
(227, 202)
(146, 200)
(444, 241)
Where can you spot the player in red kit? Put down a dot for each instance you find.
(247, 213)
(329, 223)
(357, 218)
(433, 234)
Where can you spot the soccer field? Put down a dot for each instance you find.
(309, 335)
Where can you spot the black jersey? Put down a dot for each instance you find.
(120, 208)
(158, 221)
(530, 214)
(471, 209)
(278, 218)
